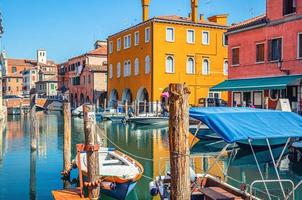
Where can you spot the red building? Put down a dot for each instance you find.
(84, 78)
(265, 57)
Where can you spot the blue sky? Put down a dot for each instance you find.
(67, 28)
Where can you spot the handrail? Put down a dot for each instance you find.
(274, 181)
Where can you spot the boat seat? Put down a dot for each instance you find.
(111, 162)
(217, 193)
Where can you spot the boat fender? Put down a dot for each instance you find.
(153, 189)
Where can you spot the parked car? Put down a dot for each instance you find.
(212, 102)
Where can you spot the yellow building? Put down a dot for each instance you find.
(144, 59)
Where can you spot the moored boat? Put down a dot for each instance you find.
(203, 186)
(118, 169)
(149, 120)
(203, 133)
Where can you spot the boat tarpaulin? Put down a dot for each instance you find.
(264, 83)
(235, 124)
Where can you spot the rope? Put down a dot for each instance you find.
(121, 149)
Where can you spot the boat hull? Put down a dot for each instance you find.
(150, 120)
(205, 134)
(121, 190)
(116, 118)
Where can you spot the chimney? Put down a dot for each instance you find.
(194, 10)
(145, 5)
(201, 17)
(100, 43)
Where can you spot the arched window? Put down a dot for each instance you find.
(118, 70)
(136, 67)
(225, 67)
(110, 71)
(169, 64)
(129, 68)
(205, 67)
(190, 66)
(147, 65)
(125, 68)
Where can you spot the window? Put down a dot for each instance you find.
(190, 66)
(205, 38)
(225, 40)
(275, 49)
(225, 67)
(300, 45)
(110, 71)
(235, 56)
(289, 6)
(127, 68)
(118, 44)
(127, 41)
(260, 52)
(205, 67)
(89, 79)
(17, 80)
(257, 99)
(136, 38)
(147, 34)
(52, 86)
(170, 34)
(147, 65)
(136, 66)
(110, 46)
(190, 36)
(17, 89)
(169, 64)
(9, 89)
(118, 69)
(14, 69)
(215, 95)
(8, 79)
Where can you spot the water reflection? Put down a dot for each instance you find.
(35, 175)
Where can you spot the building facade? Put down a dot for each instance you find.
(84, 78)
(265, 55)
(48, 87)
(144, 59)
(29, 80)
(20, 75)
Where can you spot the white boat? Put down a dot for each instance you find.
(116, 168)
(78, 111)
(149, 120)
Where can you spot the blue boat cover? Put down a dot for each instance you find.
(234, 124)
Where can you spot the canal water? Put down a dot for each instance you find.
(26, 175)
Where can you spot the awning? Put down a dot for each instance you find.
(278, 82)
(235, 124)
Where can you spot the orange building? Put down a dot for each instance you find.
(84, 78)
(145, 58)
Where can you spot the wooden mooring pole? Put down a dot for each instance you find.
(145, 107)
(33, 122)
(179, 142)
(126, 108)
(67, 139)
(92, 154)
